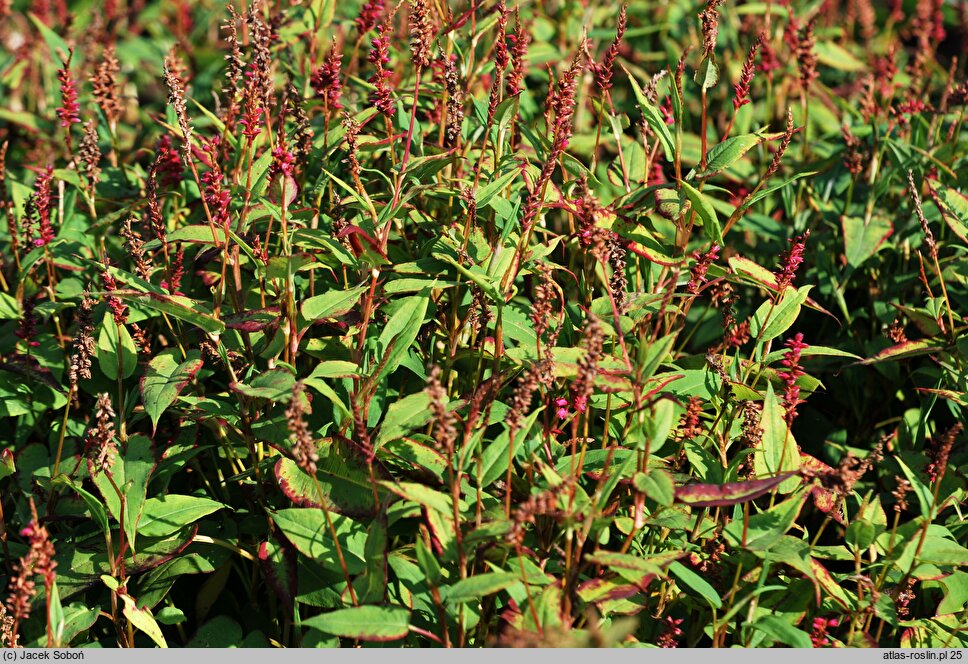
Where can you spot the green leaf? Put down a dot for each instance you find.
(306, 528)
(164, 380)
(58, 47)
(771, 320)
(331, 304)
(766, 529)
(861, 241)
(626, 561)
(777, 453)
(653, 116)
(274, 385)
(480, 585)
(365, 623)
(766, 191)
(130, 473)
(956, 593)
(169, 513)
(108, 344)
(56, 615)
(696, 583)
(7, 465)
(403, 416)
(142, 620)
(219, 632)
(422, 495)
(707, 74)
(954, 209)
(77, 618)
(344, 481)
(400, 332)
(727, 153)
(182, 308)
(921, 491)
(95, 506)
(710, 222)
(334, 369)
(657, 485)
(494, 187)
(811, 351)
(783, 632)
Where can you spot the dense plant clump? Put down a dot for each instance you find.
(484, 323)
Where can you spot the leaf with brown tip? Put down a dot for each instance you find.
(731, 493)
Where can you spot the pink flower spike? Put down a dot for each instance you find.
(562, 405)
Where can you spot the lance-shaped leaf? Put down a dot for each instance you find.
(653, 116)
(954, 209)
(475, 587)
(904, 350)
(366, 623)
(727, 153)
(164, 380)
(731, 493)
(253, 320)
(710, 222)
(332, 304)
(771, 320)
(182, 308)
(142, 620)
(778, 452)
(116, 350)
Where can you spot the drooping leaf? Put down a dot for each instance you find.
(274, 385)
(130, 474)
(904, 350)
(783, 632)
(142, 620)
(657, 484)
(731, 493)
(954, 209)
(766, 529)
(400, 332)
(653, 116)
